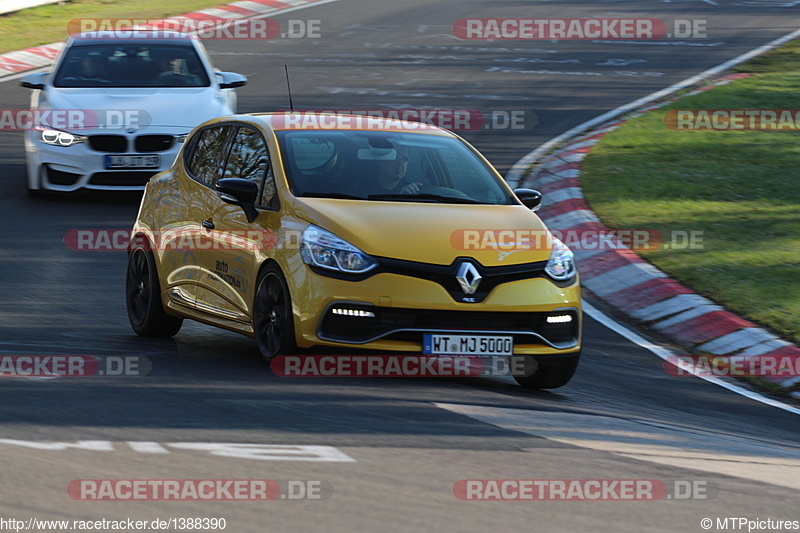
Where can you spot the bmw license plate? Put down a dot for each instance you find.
(132, 161)
(467, 344)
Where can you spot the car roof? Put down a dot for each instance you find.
(140, 36)
(329, 121)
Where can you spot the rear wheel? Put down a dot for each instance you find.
(551, 372)
(143, 298)
(273, 322)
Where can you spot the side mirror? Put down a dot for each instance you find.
(530, 198)
(231, 80)
(33, 81)
(241, 192)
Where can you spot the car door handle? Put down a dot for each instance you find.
(208, 224)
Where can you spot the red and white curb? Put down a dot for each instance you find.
(41, 56)
(628, 283)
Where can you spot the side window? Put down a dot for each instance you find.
(208, 154)
(249, 159)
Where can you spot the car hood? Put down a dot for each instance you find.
(433, 233)
(177, 107)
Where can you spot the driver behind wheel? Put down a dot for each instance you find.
(391, 177)
(93, 68)
(173, 69)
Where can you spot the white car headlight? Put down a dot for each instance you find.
(59, 138)
(561, 265)
(325, 250)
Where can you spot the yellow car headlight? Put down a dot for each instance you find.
(561, 265)
(323, 249)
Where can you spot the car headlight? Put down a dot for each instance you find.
(561, 265)
(59, 138)
(325, 250)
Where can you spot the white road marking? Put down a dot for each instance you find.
(268, 452)
(13, 77)
(517, 171)
(90, 445)
(663, 444)
(147, 447)
(280, 12)
(236, 450)
(664, 353)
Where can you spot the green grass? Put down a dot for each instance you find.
(783, 59)
(48, 24)
(741, 189)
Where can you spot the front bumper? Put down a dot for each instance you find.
(405, 308)
(83, 166)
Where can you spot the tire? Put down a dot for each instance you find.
(273, 322)
(143, 298)
(551, 372)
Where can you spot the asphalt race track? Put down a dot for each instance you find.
(393, 448)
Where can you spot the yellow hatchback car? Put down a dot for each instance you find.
(304, 230)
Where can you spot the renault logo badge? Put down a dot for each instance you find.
(468, 277)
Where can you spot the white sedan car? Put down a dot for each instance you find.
(114, 111)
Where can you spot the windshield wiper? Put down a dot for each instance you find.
(425, 196)
(332, 195)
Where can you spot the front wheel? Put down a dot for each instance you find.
(143, 298)
(273, 323)
(551, 372)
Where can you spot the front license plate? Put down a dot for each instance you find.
(132, 161)
(467, 344)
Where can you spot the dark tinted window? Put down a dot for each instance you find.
(208, 154)
(365, 165)
(249, 159)
(131, 65)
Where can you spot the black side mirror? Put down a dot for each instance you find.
(241, 192)
(33, 81)
(231, 80)
(530, 198)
